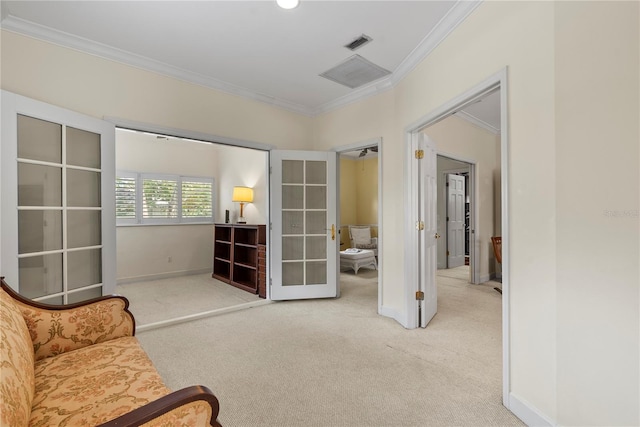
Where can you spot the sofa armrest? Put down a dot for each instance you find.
(56, 329)
(192, 406)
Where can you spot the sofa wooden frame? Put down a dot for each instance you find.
(151, 410)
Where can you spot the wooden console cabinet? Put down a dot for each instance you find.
(235, 254)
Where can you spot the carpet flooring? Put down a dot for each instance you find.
(337, 362)
(159, 300)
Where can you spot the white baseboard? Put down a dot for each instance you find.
(147, 277)
(527, 413)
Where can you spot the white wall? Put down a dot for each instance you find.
(152, 251)
(597, 147)
(248, 168)
(143, 252)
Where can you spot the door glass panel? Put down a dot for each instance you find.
(84, 268)
(39, 140)
(292, 197)
(316, 222)
(292, 171)
(292, 222)
(316, 247)
(317, 197)
(316, 172)
(292, 248)
(53, 300)
(84, 228)
(292, 273)
(40, 275)
(39, 230)
(83, 148)
(85, 295)
(83, 188)
(39, 185)
(316, 272)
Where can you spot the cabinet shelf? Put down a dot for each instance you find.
(236, 259)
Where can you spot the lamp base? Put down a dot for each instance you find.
(242, 220)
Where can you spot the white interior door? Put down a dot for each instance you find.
(455, 220)
(58, 202)
(427, 242)
(304, 243)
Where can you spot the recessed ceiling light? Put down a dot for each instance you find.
(288, 4)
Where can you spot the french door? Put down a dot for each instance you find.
(304, 241)
(428, 227)
(58, 202)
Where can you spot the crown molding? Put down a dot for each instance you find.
(21, 26)
(476, 121)
(456, 15)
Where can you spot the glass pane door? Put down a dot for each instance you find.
(58, 204)
(59, 211)
(304, 249)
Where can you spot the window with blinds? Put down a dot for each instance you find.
(126, 198)
(163, 199)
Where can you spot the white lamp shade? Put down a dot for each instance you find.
(242, 194)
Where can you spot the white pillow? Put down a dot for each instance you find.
(361, 236)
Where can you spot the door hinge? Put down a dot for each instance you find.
(419, 295)
(270, 169)
(420, 225)
(270, 281)
(270, 226)
(447, 253)
(419, 154)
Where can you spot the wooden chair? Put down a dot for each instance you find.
(497, 251)
(497, 248)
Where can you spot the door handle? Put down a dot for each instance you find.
(437, 236)
(333, 231)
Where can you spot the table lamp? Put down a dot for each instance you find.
(242, 195)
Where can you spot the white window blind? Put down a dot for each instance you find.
(197, 198)
(159, 198)
(126, 198)
(143, 198)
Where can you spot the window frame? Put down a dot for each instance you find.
(179, 219)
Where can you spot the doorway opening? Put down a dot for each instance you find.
(456, 203)
(165, 237)
(359, 215)
(420, 275)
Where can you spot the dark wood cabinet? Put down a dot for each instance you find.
(235, 254)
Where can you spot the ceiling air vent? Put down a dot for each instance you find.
(355, 72)
(359, 42)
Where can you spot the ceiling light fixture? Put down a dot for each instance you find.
(288, 4)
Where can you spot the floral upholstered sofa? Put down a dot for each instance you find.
(80, 365)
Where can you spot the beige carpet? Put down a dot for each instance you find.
(336, 362)
(159, 300)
